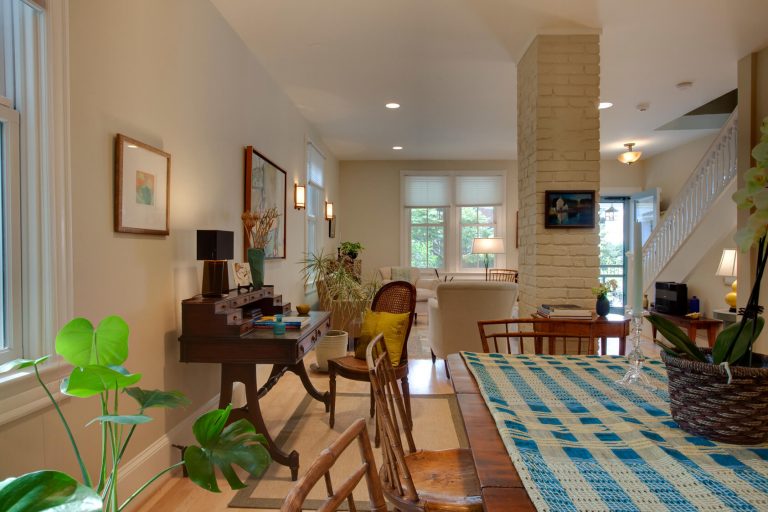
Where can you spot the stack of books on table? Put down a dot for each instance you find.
(291, 322)
(571, 311)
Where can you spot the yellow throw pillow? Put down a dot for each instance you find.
(394, 327)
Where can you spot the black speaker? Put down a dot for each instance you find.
(671, 298)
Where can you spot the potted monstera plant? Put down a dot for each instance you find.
(97, 355)
(720, 394)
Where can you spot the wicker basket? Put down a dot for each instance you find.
(703, 403)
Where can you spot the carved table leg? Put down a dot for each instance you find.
(301, 371)
(246, 373)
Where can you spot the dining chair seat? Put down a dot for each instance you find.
(454, 486)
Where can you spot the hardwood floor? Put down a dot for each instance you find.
(178, 494)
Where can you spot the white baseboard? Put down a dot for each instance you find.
(161, 454)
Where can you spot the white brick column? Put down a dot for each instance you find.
(558, 148)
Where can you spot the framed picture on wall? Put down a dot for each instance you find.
(265, 184)
(142, 187)
(569, 209)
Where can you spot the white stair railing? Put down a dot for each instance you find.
(713, 174)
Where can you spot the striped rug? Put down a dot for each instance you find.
(581, 442)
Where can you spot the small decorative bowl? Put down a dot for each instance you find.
(302, 309)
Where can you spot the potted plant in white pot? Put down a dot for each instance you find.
(720, 393)
(340, 292)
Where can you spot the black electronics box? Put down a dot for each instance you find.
(671, 298)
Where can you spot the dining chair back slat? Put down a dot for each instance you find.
(509, 335)
(321, 467)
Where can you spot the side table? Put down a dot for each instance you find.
(692, 325)
(728, 317)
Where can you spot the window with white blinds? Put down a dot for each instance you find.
(445, 211)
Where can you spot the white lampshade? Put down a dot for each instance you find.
(487, 246)
(727, 267)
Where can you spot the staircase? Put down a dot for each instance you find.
(673, 248)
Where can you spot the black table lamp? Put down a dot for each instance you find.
(215, 247)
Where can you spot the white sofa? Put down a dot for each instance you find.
(459, 305)
(421, 278)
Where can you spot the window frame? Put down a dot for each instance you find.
(452, 260)
(495, 225)
(314, 219)
(45, 164)
(445, 225)
(10, 246)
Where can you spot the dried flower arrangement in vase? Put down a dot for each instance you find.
(258, 227)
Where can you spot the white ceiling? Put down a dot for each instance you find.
(451, 64)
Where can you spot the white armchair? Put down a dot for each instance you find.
(459, 305)
(419, 277)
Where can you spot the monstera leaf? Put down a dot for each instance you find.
(92, 380)
(222, 447)
(148, 398)
(82, 345)
(47, 491)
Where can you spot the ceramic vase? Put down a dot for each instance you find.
(330, 346)
(602, 306)
(256, 262)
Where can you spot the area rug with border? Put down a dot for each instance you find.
(437, 425)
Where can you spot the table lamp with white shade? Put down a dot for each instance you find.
(727, 269)
(487, 246)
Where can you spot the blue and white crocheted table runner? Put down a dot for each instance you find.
(581, 442)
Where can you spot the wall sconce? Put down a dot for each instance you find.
(328, 210)
(629, 157)
(299, 196)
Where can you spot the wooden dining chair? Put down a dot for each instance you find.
(502, 274)
(393, 297)
(509, 335)
(321, 467)
(419, 480)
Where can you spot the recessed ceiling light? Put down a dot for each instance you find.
(397, 148)
(132, 146)
(684, 85)
(604, 104)
(392, 105)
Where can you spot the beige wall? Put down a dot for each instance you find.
(172, 74)
(618, 179)
(369, 204)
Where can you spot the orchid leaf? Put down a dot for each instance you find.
(222, 447)
(730, 348)
(20, 364)
(92, 380)
(677, 337)
(148, 398)
(82, 345)
(50, 491)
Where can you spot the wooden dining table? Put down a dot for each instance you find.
(500, 484)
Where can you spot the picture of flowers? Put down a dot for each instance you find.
(142, 187)
(265, 185)
(145, 188)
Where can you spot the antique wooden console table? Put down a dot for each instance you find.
(219, 330)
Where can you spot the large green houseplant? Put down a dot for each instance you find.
(719, 393)
(97, 355)
(342, 293)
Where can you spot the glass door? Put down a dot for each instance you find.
(614, 238)
(645, 210)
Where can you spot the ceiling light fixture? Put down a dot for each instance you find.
(604, 104)
(392, 105)
(629, 157)
(397, 148)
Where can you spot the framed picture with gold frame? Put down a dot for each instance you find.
(142, 187)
